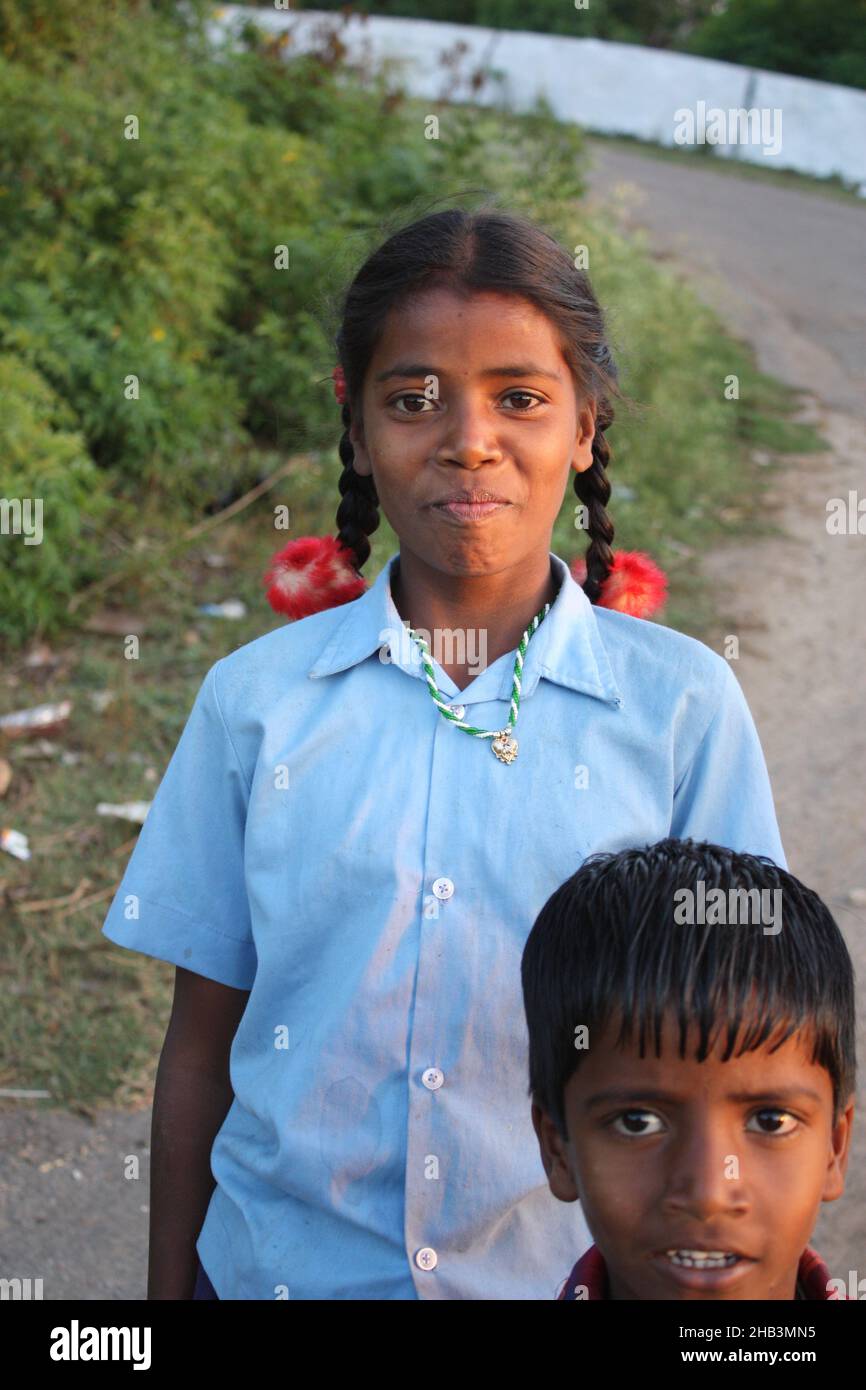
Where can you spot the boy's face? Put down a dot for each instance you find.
(671, 1157)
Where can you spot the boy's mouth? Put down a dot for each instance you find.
(702, 1259)
(692, 1268)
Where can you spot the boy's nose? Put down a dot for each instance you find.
(703, 1177)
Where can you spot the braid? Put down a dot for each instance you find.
(358, 512)
(593, 489)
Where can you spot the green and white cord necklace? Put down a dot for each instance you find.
(504, 745)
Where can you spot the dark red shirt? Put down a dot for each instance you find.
(812, 1278)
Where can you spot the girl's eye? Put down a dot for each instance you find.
(415, 396)
(636, 1123)
(776, 1122)
(527, 396)
(426, 400)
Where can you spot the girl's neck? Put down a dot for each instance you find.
(495, 609)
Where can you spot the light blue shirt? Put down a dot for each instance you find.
(324, 838)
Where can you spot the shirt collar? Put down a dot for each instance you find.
(590, 1273)
(567, 646)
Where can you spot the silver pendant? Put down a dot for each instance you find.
(505, 747)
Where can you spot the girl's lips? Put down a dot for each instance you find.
(708, 1280)
(469, 511)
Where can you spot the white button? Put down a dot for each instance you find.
(459, 710)
(432, 1078)
(426, 1258)
(443, 888)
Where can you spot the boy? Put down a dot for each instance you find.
(692, 1072)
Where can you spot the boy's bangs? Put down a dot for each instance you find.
(746, 1023)
(732, 1021)
(608, 952)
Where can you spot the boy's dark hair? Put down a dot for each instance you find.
(468, 252)
(606, 944)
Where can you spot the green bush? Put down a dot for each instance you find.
(155, 357)
(823, 39)
(138, 275)
(46, 465)
(138, 283)
(154, 258)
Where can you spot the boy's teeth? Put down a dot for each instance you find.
(702, 1259)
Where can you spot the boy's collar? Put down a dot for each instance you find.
(590, 1272)
(567, 648)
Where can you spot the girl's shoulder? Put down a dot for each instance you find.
(647, 656)
(265, 670)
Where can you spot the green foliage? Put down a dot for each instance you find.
(824, 39)
(155, 357)
(48, 37)
(51, 549)
(148, 186)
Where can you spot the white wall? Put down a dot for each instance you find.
(814, 127)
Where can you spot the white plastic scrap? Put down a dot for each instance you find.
(14, 843)
(128, 810)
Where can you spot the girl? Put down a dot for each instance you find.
(343, 874)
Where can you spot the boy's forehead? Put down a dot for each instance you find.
(774, 1065)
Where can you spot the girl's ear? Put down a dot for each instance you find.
(361, 462)
(581, 457)
(554, 1156)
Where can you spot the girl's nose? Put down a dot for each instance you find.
(469, 435)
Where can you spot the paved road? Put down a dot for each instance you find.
(785, 268)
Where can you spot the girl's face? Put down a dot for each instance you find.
(463, 395)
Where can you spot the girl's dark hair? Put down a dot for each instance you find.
(467, 252)
(606, 946)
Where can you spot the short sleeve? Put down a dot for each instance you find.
(724, 795)
(183, 894)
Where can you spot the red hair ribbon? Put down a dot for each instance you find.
(317, 572)
(636, 585)
(310, 574)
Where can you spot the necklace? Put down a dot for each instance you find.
(503, 745)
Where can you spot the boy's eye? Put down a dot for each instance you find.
(776, 1122)
(636, 1123)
